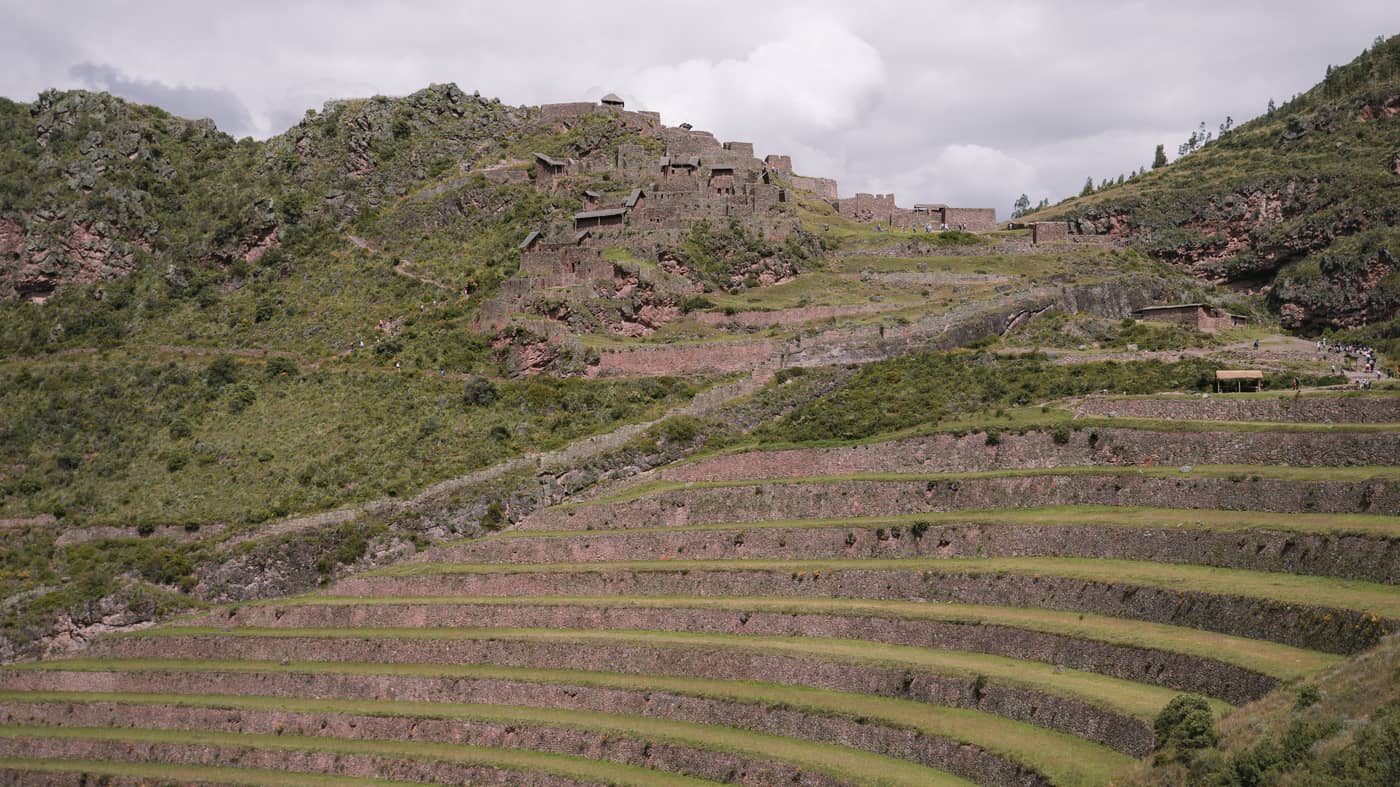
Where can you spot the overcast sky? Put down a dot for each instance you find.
(965, 103)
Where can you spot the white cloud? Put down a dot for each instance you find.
(815, 78)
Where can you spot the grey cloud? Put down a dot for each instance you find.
(226, 110)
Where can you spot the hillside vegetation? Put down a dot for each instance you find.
(1302, 201)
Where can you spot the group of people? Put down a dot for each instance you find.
(1366, 356)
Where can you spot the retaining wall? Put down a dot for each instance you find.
(956, 757)
(763, 501)
(726, 357)
(1070, 716)
(1332, 630)
(1088, 446)
(286, 760)
(1222, 407)
(656, 755)
(1233, 684)
(1373, 559)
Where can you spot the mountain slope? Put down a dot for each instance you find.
(1301, 202)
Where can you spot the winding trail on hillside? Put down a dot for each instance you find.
(580, 450)
(401, 267)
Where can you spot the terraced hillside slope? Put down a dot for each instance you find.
(936, 609)
(237, 369)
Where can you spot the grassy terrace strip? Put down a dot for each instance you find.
(1360, 473)
(1195, 425)
(1029, 418)
(1063, 758)
(163, 773)
(856, 765)
(1289, 588)
(507, 759)
(1279, 661)
(1105, 516)
(1127, 697)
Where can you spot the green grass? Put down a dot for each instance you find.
(130, 442)
(191, 774)
(1237, 472)
(1352, 594)
(1057, 516)
(1279, 661)
(1121, 696)
(857, 765)
(508, 759)
(1063, 758)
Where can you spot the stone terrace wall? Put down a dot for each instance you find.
(657, 755)
(1233, 684)
(768, 501)
(1329, 629)
(1070, 716)
(1223, 407)
(725, 357)
(960, 758)
(1096, 446)
(312, 763)
(1368, 558)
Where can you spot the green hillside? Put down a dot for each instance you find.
(1302, 200)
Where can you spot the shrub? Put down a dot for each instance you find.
(680, 429)
(1308, 695)
(221, 371)
(479, 392)
(695, 303)
(1186, 724)
(494, 517)
(180, 428)
(1061, 434)
(993, 437)
(279, 366)
(241, 397)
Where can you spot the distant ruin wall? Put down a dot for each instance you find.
(822, 187)
(1049, 231)
(973, 219)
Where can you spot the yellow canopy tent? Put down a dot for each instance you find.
(1239, 376)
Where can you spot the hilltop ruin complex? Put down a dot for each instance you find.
(646, 198)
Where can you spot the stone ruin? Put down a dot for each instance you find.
(881, 209)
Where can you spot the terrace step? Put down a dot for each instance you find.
(1111, 711)
(1317, 613)
(72, 772)
(979, 746)
(1356, 490)
(1317, 408)
(400, 761)
(1086, 445)
(1365, 557)
(699, 750)
(1233, 669)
